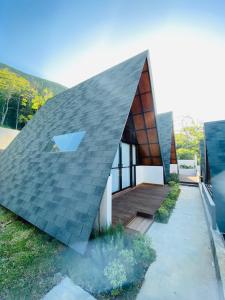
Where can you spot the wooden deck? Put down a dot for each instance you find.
(143, 199)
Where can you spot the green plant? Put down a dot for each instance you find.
(116, 230)
(174, 177)
(169, 204)
(171, 183)
(143, 252)
(115, 263)
(174, 192)
(162, 215)
(185, 167)
(116, 274)
(29, 259)
(127, 258)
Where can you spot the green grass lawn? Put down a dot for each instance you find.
(31, 262)
(29, 259)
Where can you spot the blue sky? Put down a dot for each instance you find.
(68, 41)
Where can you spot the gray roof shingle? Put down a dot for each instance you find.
(165, 130)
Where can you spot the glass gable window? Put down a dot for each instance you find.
(66, 142)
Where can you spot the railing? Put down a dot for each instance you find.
(210, 203)
(209, 189)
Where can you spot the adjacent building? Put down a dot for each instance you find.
(213, 167)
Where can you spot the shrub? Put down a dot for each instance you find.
(174, 193)
(143, 252)
(186, 167)
(162, 215)
(172, 183)
(116, 274)
(174, 177)
(169, 204)
(114, 263)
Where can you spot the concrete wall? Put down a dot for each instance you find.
(149, 174)
(188, 172)
(211, 208)
(190, 163)
(7, 135)
(187, 162)
(104, 217)
(173, 168)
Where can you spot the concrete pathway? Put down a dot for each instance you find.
(184, 267)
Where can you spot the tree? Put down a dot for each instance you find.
(40, 99)
(12, 87)
(19, 100)
(187, 140)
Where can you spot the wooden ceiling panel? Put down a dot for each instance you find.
(139, 122)
(144, 150)
(173, 154)
(136, 105)
(141, 137)
(145, 67)
(155, 150)
(144, 120)
(157, 161)
(147, 161)
(150, 119)
(144, 84)
(147, 102)
(152, 135)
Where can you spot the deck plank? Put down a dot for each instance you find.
(144, 198)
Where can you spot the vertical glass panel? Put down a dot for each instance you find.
(116, 159)
(133, 176)
(125, 155)
(115, 180)
(134, 154)
(125, 177)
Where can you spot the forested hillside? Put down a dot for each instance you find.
(21, 95)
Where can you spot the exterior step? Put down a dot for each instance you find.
(140, 224)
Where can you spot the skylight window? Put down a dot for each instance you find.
(66, 142)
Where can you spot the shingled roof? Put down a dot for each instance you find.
(215, 147)
(60, 192)
(167, 141)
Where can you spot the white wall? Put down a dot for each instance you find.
(104, 217)
(149, 174)
(188, 172)
(173, 168)
(187, 162)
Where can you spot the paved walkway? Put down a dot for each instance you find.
(184, 267)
